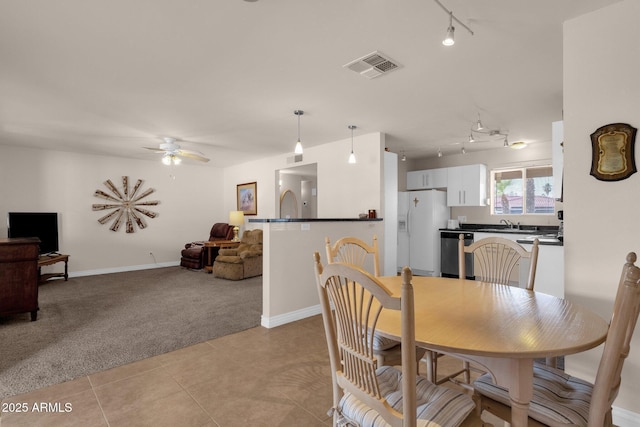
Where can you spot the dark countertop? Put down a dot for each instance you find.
(312, 219)
(546, 234)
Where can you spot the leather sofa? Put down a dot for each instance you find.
(241, 262)
(192, 256)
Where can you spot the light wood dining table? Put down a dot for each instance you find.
(500, 327)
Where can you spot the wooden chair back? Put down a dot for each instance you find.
(358, 298)
(616, 348)
(495, 259)
(351, 250)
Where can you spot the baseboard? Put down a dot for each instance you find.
(625, 418)
(292, 316)
(123, 269)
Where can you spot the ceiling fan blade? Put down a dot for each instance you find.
(155, 150)
(191, 155)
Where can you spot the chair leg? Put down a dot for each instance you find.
(551, 361)
(431, 359)
(467, 372)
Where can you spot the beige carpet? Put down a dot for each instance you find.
(93, 323)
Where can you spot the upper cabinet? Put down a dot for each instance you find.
(557, 148)
(427, 179)
(467, 185)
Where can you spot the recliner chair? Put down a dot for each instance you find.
(192, 256)
(241, 262)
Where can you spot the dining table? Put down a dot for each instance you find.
(502, 328)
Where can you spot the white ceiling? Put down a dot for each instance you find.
(113, 76)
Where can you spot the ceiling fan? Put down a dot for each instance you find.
(173, 154)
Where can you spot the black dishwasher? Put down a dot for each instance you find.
(449, 253)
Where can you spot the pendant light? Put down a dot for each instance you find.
(298, 149)
(352, 157)
(479, 127)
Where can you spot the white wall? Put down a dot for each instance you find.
(41, 180)
(601, 62)
(344, 191)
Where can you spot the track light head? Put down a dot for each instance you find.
(449, 40)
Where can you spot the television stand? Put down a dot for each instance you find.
(51, 259)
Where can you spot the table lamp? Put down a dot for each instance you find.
(236, 218)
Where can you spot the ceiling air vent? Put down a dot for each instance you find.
(373, 65)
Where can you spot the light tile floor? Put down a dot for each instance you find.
(258, 377)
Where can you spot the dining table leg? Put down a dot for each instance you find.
(521, 391)
(516, 374)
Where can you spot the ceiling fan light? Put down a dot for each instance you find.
(166, 159)
(176, 160)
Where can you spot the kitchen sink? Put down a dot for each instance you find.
(503, 230)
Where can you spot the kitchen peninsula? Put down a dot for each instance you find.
(289, 288)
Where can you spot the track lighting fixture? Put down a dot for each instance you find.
(471, 138)
(506, 142)
(403, 158)
(298, 149)
(463, 151)
(352, 157)
(439, 153)
(449, 39)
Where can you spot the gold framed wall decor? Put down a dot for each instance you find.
(613, 148)
(247, 197)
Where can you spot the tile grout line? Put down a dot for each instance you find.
(192, 398)
(93, 390)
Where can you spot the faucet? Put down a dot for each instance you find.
(507, 223)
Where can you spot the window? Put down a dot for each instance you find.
(525, 191)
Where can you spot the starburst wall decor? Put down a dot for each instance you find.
(126, 205)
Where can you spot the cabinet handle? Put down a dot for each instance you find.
(464, 197)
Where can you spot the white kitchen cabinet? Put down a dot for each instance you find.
(427, 179)
(550, 267)
(467, 185)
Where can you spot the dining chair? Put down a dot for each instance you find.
(364, 392)
(495, 260)
(352, 250)
(562, 400)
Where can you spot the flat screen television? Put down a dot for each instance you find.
(43, 225)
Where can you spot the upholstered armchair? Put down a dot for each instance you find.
(192, 256)
(241, 262)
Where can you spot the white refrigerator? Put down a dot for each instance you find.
(421, 214)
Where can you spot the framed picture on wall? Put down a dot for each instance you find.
(613, 149)
(248, 198)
